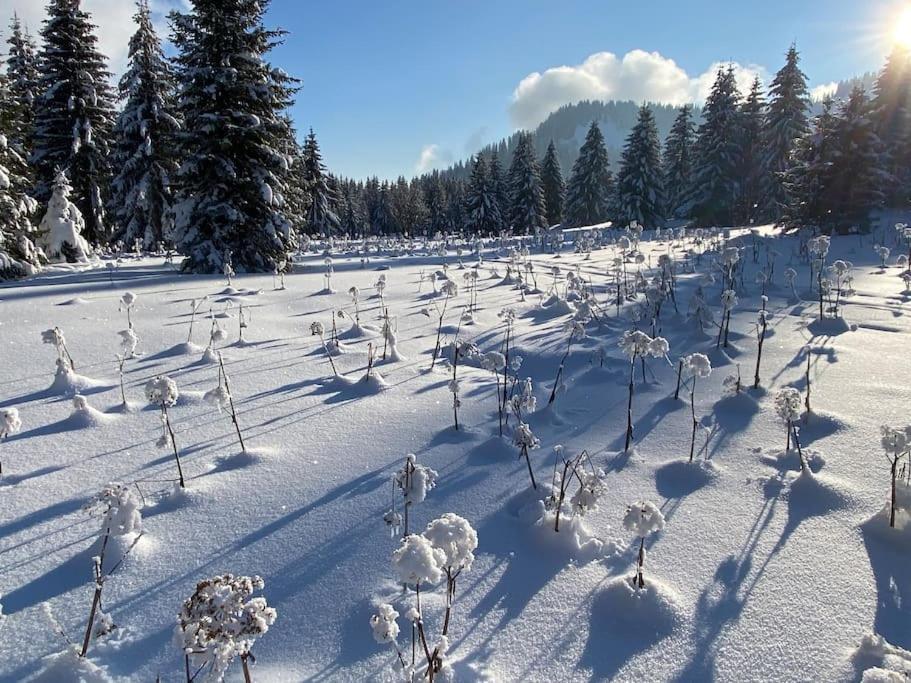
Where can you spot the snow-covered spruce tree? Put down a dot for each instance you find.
(643, 518)
(590, 187)
(896, 443)
(482, 208)
(10, 423)
(750, 168)
(786, 122)
(697, 366)
(230, 187)
(61, 233)
(321, 218)
(119, 509)
(162, 392)
(713, 189)
(499, 185)
(640, 193)
(787, 408)
(677, 162)
(22, 70)
(74, 114)
(19, 256)
(637, 344)
(553, 185)
(527, 211)
(144, 156)
(412, 482)
(222, 620)
(891, 114)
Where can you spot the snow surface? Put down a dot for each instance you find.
(760, 573)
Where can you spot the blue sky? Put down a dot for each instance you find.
(384, 82)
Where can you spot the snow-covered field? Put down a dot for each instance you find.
(760, 573)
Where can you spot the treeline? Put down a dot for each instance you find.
(204, 158)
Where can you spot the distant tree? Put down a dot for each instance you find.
(553, 185)
(321, 219)
(22, 70)
(437, 201)
(591, 183)
(18, 255)
(639, 183)
(482, 212)
(231, 184)
(677, 162)
(144, 154)
(810, 171)
(501, 190)
(527, 212)
(786, 122)
(891, 112)
(713, 189)
(750, 147)
(74, 114)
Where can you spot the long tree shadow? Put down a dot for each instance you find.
(892, 580)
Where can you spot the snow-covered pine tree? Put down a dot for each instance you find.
(857, 180)
(18, 255)
(437, 201)
(229, 195)
(457, 214)
(677, 162)
(295, 196)
(590, 187)
(527, 212)
(713, 190)
(786, 122)
(481, 207)
(22, 70)
(639, 183)
(749, 164)
(500, 188)
(74, 114)
(321, 218)
(61, 232)
(810, 171)
(144, 155)
(382, 219)
(553, 185)
(891, 106)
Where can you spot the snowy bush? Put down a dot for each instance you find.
(697, 366)
(10, 423)
(896, 442)
(787, 408)
(590, 480)
(60, 232)
(458, 541)
(222, 620)
(642, 518)
(413, 482)
(525, 440)
(317, 330)
(162, 392)
(637, 344)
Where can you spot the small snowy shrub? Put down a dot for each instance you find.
(317, 330)
(449, 289)
(576, 332)
(787, 408)
(127, 301)
(458, 541)
(525, 440)
(728, 302)
(413, 481)
(55, 337)
(591, 485)
(221, 398)
(697, 366)
(10, 423)
(222, 620)
(162, 392)
(896, 442)
(637, 344)
(642, 518)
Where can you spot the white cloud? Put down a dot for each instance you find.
(639, 76)
(114, 19)
(432, 156)
(820, 92)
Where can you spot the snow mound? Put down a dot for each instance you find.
(679, 478)
(67, 383)
(78, 301)
(69, 667)
(646, 614)
(574, 540)
(553, 307)
(84, 415)
(882, 662)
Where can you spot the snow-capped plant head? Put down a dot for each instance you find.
(127, 300)
(698, 365)
(162, 391)
(643, 518)
(416, 561)
(222, 620)
(840, 267)
(592, 487)
(658, 347)
(354, 293)
(119, 508)
(55, 337)
(787, 404)
(634, 343)
(895, 440)
(728, 299)
(508, 316)
(10, 422)
(129, 340)
(819, 246)
(524, 401)
(80, 404)
(218, 397)
(494, 361)
(415, 480)
(317, 329)
(449, 288)
(524, 438)
(730, 256)
(456, 538)
(384, 625)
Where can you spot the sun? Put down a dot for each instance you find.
(901, 30)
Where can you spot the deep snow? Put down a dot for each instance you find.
(761, 573)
